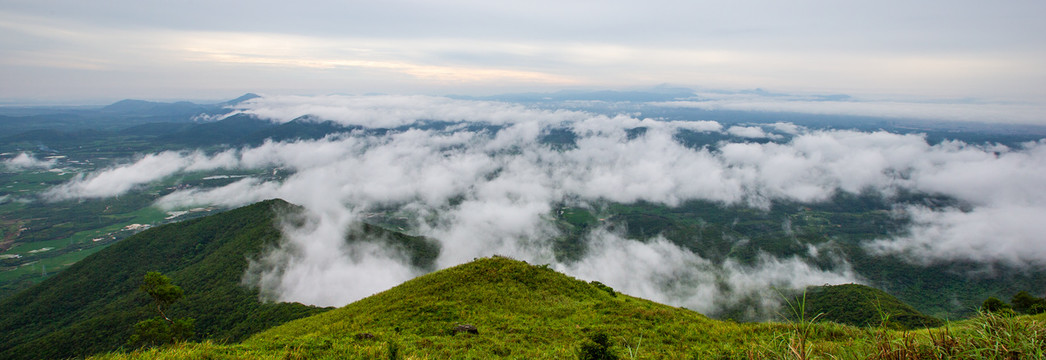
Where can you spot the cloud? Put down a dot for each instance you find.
(491, 191)
(389, 111)
(1002, 198)
(27, 161)
(1011, 235)
(751, 132)
(787, 128)
(314, 264)
(664, 272)
(120, 179)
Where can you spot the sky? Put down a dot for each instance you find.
(67, 51)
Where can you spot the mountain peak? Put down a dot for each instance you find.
(242, 98)
(482, 307)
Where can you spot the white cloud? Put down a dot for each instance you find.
(27, 161)
(490, 192)
(389, 111)
(751, 132)
(315, 265)
(661, 271)
(787, 128)
(1010, 234)
(120, 179)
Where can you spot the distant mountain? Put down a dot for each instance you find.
(231, 131)
(242, 98)
(142, 107)
(92, 306)
(860, 305)
(239, 130)
(303, 128)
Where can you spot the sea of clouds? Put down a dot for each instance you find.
(492, 191)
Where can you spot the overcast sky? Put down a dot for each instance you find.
(77, 51)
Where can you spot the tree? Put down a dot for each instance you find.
(1025, 303)
(994, 305)
(160, 288)
(162, 329)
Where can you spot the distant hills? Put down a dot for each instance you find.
(113, 117)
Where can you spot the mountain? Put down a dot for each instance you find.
(150, 108)
(860, 305)
(231, 130)
(303, 128)
(242, 98)
(498, 308)
(238, 130)
(92, 306)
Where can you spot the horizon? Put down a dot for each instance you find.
(64, 52)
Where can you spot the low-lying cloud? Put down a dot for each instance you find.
(24, 161)
(662, 271)
(487, 192)
(121, 179)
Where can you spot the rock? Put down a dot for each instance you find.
(465, 328)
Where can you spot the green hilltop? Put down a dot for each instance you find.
(860, 305)
(517, 310)
(502, 308)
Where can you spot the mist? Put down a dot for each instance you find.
(25, 160)
(485, 192)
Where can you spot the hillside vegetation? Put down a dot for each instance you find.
(860, 305)
(93, 305)
(503, 308)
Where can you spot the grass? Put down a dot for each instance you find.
(525, 311)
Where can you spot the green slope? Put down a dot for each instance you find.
(91, 306)
(861, 305)
(523, 311)
(519, 310)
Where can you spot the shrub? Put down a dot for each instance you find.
(597, 347)
(994, 305)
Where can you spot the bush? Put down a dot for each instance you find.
(994, 305)
(1025, 303)
(597, 347)
(157, 331)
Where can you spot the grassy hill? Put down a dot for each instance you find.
(524, 311)
(518, 310)
(863, 306)
(92, 306)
